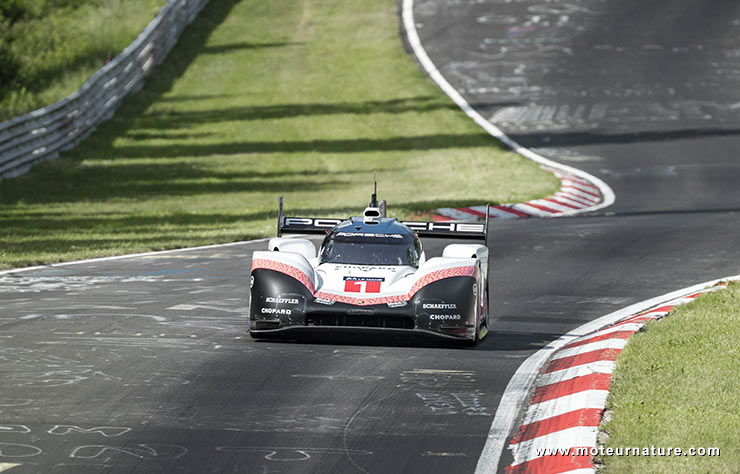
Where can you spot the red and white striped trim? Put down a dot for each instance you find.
(427, 279)
(286, 269)
(576, 195)
(570, 395)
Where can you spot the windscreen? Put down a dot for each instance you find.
(369, 249)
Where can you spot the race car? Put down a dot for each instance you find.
(370, 276)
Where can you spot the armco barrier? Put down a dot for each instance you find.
(42, 134)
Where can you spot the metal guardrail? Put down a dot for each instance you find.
(40, 135)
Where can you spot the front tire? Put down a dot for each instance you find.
(481, 317)
(478, 321)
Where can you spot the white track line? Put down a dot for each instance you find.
(133, 255)
(415, 43)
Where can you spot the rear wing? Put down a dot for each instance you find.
(303, 225)
(448, 230)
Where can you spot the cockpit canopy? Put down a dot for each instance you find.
(384, 241)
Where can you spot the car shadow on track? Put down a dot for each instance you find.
(494, 341)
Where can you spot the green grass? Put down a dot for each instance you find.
(261, 99)
(48, 48)
(677, 385)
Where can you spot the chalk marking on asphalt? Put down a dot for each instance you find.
(415, 43)
(443, 454)
(191, 307)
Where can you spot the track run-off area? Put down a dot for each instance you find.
(143, 364)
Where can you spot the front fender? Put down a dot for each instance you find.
(448, 305)
(281, 285)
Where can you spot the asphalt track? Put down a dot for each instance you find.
(142, 364)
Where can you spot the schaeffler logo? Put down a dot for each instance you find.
(270, 299)
(439, 306)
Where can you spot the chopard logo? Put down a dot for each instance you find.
(445, 317)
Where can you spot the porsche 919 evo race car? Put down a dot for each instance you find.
(370, 276)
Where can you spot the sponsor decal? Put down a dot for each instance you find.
(370, 235)
(397, 304)
(439, 306)
(277, 311)
(251, 281)
(364, 268)
(270, 299)
(475, 289)
(325, 301)
(446, 227)
(445, 317)
(355, 284)
(309, 222)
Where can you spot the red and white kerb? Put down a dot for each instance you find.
(570, 396)
(575, 194)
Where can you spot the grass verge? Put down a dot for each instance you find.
(261, 99)
(49, 48)
(676, 385)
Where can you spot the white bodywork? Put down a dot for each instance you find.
(372, 281)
